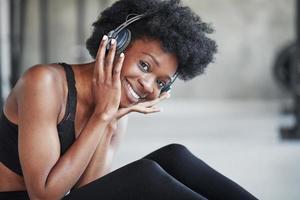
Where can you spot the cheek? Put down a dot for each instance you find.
(130, 70)
(153, 96)
(128, 61)
(126, 66)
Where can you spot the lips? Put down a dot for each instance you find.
(132, 95)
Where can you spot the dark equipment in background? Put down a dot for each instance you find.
(44, 30)
(16, 22)
(287, 73)
(17, 16)
(16, 40)
(1, 99)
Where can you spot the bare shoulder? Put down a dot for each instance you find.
(36, 80)
(46, 77)
(39, 75)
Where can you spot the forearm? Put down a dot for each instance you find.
(66, 172)
(101, 161)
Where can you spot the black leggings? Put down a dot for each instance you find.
(171, 172)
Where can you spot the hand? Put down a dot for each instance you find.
(106, 80)
(145, 107)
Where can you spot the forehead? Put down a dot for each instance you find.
(149, 47)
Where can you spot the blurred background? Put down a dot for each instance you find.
(234, 117)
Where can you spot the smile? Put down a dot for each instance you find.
(132, 94)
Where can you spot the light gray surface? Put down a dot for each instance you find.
(238, 138)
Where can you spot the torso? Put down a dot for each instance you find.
(10, 181)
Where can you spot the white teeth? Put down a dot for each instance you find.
(134, 94)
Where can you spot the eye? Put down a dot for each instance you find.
(144, 66)
(161, 84)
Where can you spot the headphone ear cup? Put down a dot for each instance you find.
(165, 89)
(123, 39)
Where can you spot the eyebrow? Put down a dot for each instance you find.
(153, 58)
(156, 62)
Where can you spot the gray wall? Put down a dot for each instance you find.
(248, 33)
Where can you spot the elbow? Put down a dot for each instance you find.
(43, 189)
(43, 194)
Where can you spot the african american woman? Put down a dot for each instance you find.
(62, 123)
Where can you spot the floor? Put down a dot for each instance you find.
(238, 138)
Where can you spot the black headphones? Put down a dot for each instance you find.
(122, 35)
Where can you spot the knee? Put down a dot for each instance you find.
(149, 173)
(169, 153)
(147, 164)
(175, 148)
(148, 168)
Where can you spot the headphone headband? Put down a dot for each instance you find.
(125, 24)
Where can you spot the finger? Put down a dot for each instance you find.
(98, 69)
(140, 109)
(164, 96)
(122, 112)
(117, 68)
(148, 110)
(109, 61)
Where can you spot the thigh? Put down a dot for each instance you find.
(142, 179)
(183, 165)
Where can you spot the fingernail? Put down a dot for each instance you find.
(113, 41)
(121, 55)
(104, 37)
(161, 109)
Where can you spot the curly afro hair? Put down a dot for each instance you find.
(179, 29)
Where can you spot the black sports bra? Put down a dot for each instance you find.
(66, 131)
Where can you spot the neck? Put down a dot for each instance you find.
(84, 75)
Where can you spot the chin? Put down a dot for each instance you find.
(124, 103)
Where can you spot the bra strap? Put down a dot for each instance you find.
(72, 93)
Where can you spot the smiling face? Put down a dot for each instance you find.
(146, 68)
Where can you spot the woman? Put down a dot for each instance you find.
(61, 124)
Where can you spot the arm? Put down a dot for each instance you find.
(46, 174)
(121, 130)
(103, 156)
(101, 161)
